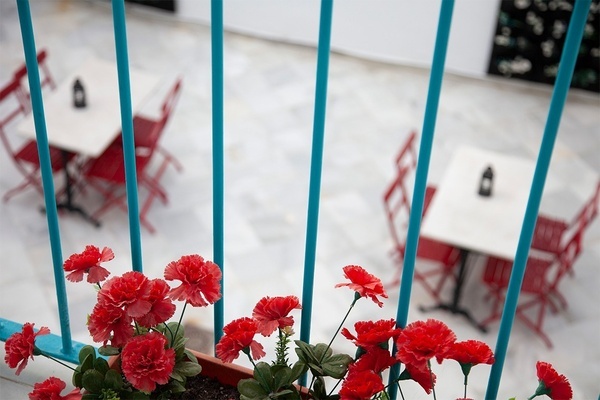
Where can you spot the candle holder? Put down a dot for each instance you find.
(486, 183)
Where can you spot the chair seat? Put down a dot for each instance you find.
(110, 166)
(29, 154)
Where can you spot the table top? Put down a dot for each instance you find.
(459, 216)
(89, 130)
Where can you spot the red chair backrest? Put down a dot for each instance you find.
(498, 270)
(407, 155)
(169, 103)
(45, 75)
(17, 106)
(548, 234)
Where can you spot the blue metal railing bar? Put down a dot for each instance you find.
(316, 167)
(118, 8)
(37, 104)
(423, 160)
(559, 96)
(216, 31)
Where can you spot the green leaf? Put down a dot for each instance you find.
(191, 357)
(250, 389)
(87, 363)
(282, 378)
(108, 351)
(85, 352)
(322, 351)
(319, 390)
(298, 369)
(262, 373)
(77, 376)
(140, 396)
(101, 365)
(188, 368)
(90, 396)
(336, 365)
(177, 387)
(113, 380)
(92, 380)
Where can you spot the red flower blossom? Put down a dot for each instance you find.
(88, 262)
(271, 313)
(108, 322)
(363, 283)
(239, 336)
(50, 390)
(470, 353)
(369, 333)
(200, 280)
(146, 361)
(129, 292)
(161, 309)
(361, 386)
(423, 340)
(375, 359)
(20, 346)
(552, 384)
(420, 374)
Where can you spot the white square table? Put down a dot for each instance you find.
(459, 216)
(90, 130)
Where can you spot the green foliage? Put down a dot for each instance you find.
(271, 382)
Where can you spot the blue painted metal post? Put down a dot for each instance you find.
(559, 96)
(135, 239)
(414, 224)
(216, 33)
(323, 51)
(46, 170)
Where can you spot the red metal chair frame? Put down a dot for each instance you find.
(25, 157)
(46, 78)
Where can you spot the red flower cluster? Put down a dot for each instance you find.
(51, 388)
(146, 361)
(552, 384)
(363, 283)
(88, 262)
(131, 313)
(20, 346)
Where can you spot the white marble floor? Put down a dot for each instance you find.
(269, 100)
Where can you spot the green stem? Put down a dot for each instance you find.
(58, 361)
(356, 297)
(180, 319)
(431, 377)
(400, 390)
(466, 379)
(333, 388)
(532, 396)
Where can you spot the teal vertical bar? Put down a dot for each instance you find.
(316, 167)
(135, 239)
(39, 119)
(414, 223)
(216, 34)
(559, 96)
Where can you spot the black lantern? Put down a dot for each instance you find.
(78, 94)
(485, 186)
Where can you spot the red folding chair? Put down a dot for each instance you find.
(24, 156)
(106, 174)
(535, 291)
(442, 257)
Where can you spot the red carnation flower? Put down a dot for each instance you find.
(161, 307)
(375, 359)
(422, 340)
(20, 346)
(146, 361)
(128, 291)
(239, 336)
(470, 353)
(369, 333)
(271, 313)
(50, 390)
(421, 374)
(200, 280)
(108, 322)
(361, 386)
(552, 384)
(88, 262)
(363, 283)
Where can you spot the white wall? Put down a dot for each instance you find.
(398, 31)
